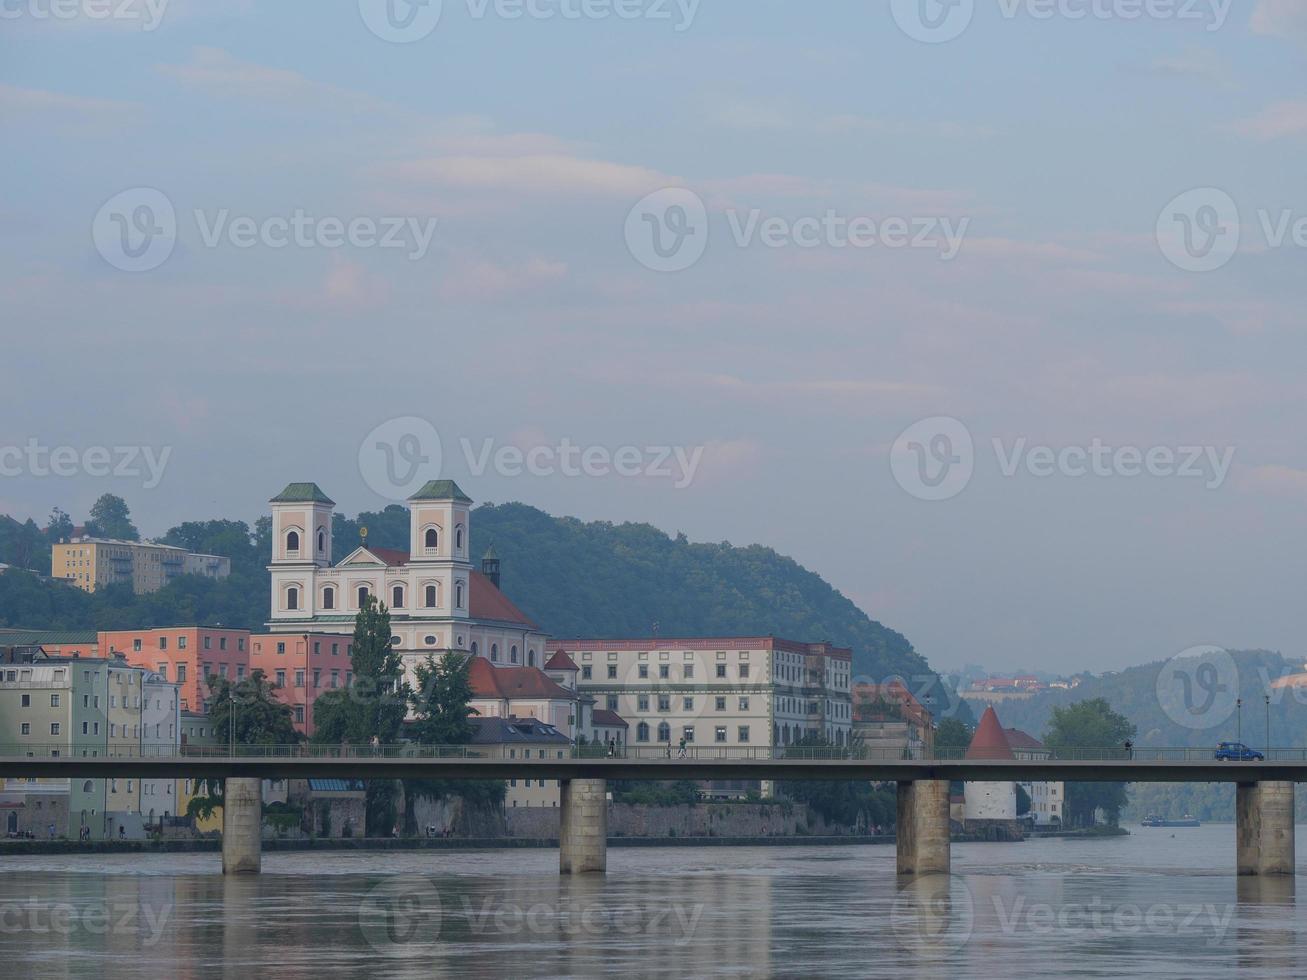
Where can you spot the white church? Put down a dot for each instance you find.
(438, 600)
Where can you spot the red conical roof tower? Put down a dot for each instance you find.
(990, 741)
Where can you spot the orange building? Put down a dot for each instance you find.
(301, 666)
(185, 655)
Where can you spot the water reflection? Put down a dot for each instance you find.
(1042, 906)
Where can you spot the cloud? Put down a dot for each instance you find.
(748, 115)
(532, 173)
(1282, 119)
(1275, 480)
(488, 280)
(14, 99)
(1194, 62)
(1280, 18)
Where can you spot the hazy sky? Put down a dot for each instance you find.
(885, 213)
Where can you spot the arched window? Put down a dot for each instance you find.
(458, 596)
(322, 540)
(474, 648)
(329, 598)
(397, 597)
(431, 597)
(664, 732)
(642, 732)
(458, 538)
(87, 787)
(292, 542)
(512, 654)
(494, 652)
(292, 598)
(363, 596)
(530, 658)
(431, 539)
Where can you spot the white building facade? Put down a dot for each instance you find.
(438, 602)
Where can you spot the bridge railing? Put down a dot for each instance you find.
(637, 752)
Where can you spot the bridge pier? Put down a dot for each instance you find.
(242, 825)
(1263, 814)
(583, 826)
(923, 838)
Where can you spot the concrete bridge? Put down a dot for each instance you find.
(1264, 793)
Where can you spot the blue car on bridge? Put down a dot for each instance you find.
(1237, 752)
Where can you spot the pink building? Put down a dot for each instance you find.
(301, 666)
(185, 655)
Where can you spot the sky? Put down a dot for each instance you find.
(987, 312)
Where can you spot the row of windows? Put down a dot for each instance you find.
(430, 540)
(687, 733)
(138, 643)
(430, 595)
(664, 672)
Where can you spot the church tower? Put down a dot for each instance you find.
(301, 526)
(439, 518)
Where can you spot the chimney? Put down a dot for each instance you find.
(490, 566)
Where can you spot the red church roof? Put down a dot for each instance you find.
(989, 742)
(561, 661)
(510, 683)
(489, 603)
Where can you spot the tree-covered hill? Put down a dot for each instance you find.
(574, 578)
(1134, 693)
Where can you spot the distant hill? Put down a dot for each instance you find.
(574, 578)
(1133, 693)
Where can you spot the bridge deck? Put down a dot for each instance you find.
(409, 767)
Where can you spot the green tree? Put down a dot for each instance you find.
(952, 738)
(1090, 724)
(441, 703)
(258, 718)
(844, 802)
(372, 707)
(110, 518)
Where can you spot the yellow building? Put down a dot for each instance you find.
(91, 563)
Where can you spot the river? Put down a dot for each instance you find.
(1159, 903)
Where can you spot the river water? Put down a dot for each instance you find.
(1160, 903)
